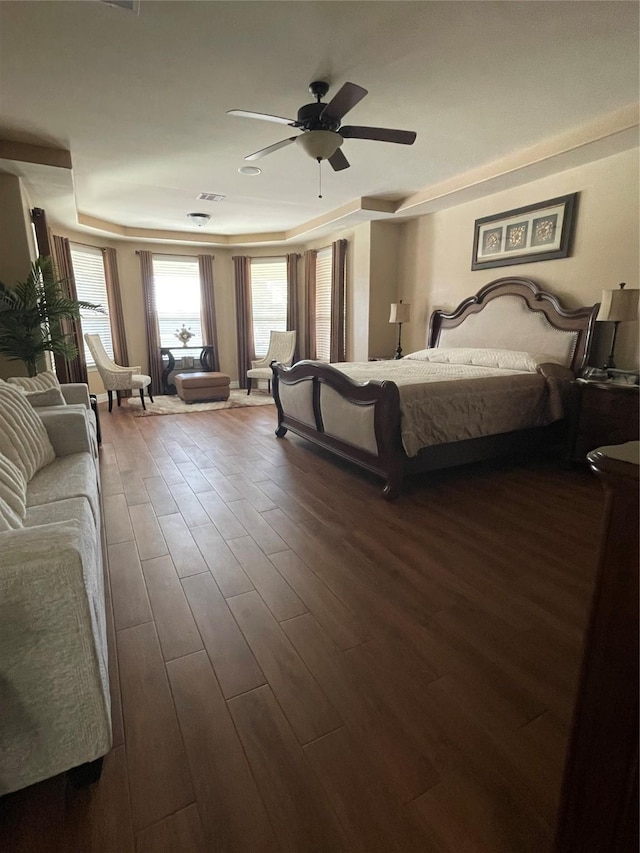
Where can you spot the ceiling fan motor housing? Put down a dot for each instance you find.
(310, 118)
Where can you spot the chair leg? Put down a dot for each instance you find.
(149, 392)
(142, 398)
(110, 393)
(249, 387)
(118, 396)
(268, 386)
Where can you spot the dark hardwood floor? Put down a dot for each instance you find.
(298, 665)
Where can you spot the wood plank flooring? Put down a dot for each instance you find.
(298, 665)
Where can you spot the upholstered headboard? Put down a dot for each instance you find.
(515, 314)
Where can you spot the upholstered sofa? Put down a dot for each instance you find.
(54, 692)
(45, 393)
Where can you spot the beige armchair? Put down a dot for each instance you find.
(114, 377)
(282, 346)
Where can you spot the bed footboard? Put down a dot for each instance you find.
(358, 421)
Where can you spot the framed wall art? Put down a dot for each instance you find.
(538, 232)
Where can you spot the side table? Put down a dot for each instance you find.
(604, 413)
(205, 358)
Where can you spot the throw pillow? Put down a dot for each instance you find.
(50, 397)
(41, 382)
(23, 437)
(13, 495)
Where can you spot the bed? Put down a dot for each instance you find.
(492, 381)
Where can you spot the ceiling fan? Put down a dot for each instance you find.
(322, 134)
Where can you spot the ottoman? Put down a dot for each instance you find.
(192, 387)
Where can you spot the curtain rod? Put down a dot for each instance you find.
(174, 254)
(267, 257)
(86, 245)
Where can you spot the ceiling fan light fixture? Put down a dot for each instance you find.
(320, 144)
(199, 219)
(250, 170)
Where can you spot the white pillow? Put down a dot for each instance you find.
(13, 495)
(504, 359)
(23, 437)
(41, 382)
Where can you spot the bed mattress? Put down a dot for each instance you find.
(450, 396)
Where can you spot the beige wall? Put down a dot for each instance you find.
(435, 250)
(385, 288)
(17, 247)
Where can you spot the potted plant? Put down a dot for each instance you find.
(32, 314)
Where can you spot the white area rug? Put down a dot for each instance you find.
(165, 405)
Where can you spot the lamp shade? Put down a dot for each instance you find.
(619, 305)
(400, 312)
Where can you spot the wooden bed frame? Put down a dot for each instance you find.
(390, 461)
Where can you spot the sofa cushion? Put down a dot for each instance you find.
(48, 397)
(41, 382)
(71, 429)
(13, 495)
(77, 510)
(72, 476)
(23, 437)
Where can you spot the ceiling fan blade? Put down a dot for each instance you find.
(263, 151)
(380, 134)
(339, 161)
(343, 101)
(262, 116)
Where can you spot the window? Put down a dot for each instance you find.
(268, 300)
(323, 304)
(176, 284)
(91, 285)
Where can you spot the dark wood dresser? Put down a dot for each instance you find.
(599, 802)
(604, 413)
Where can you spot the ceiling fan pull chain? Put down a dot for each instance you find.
(319, 177)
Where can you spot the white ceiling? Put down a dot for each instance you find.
(140, 100)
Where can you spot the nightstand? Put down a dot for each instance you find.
(604, 413)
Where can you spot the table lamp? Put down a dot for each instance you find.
(400, 313)
(617, 306)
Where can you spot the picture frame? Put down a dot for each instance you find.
(537, 232)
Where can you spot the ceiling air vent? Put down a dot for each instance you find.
(210, 197)
(127, 5)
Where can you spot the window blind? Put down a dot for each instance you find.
(91, 285)
(323, 304)
(176, 285)
(268, 300)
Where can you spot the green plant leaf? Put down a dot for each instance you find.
(32, 315)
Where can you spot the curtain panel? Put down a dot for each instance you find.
(310, 297)
(208, 307)
(116, 314)
(151, 321)
(43, 240)
(244, 316)
(75, 369)
(338, 276)
(293, 314)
